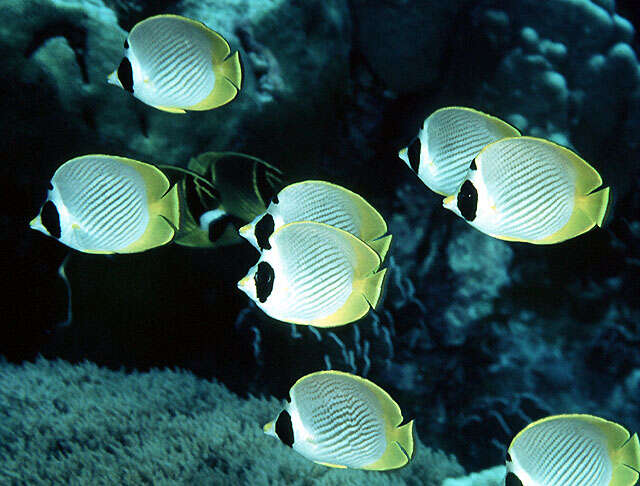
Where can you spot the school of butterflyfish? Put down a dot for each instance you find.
(322, 246)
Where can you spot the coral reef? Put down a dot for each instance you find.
(81, 424)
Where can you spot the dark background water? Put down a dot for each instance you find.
(475, 338)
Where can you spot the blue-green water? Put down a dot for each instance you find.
(475, 338)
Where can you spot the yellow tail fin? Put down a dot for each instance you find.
(372, 287)
(596, 205)
(381, 246)
(629, 453)
(232, 69)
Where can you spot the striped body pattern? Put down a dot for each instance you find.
(341, 418)
(449, 141)
(561, 452)
(172, 62)
(314, 272)
(530, 185)
(322, 203)
(105, 202)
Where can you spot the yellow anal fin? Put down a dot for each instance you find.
(169, 109)
(372, 287)
(164, 216)
(381, 246)
(588, 212)
(228, 81)
(328, 464)
(624, 476)
(399, 449)
(353, 309)
(629, 454)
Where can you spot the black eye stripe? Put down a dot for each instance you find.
(413, 152)
(473, 165)
(508, 457)
(264, 278)
(50, 219)
(264, 229)
(126, 44)
(125, 75)
(468, 201)
(284, 428)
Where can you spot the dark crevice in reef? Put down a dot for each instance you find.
(75, 36)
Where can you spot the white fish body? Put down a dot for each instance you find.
(321, 202)
(175, 64)
(573, 450)
(341, 420)
(531, 190)
(315, 274)
(108, 204)
(448, 141)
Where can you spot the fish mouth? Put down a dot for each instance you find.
(245, 231)
(449, 201)
(36, 223)
(244, 282)
(113, 78)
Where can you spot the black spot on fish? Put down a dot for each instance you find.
(218, 227)
(264, 229)
(468, 201)
(264, 281)
(508, 457)
(125, 75)
(50, 219)
(126, 44)
(284, 428)
(473, 165)
(512, 480)
(414, 154)
(265, 189)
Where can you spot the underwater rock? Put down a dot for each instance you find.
(64, 423)
(488, 477)
(567, 71)
(405, 43)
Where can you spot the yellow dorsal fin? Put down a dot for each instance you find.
(381, 246)
(372, 224)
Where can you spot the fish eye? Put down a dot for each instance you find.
(284, 428)
(126, 44)
(512, 480)
(264, 281)
(264, 229)
(468, 201)
(414, 154)
(125, 75)
(50, 219)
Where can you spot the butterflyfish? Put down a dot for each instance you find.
(573, 450)
(448, 141)
(219, 193)
(532, 190)
(342, 420)
(109, 204)
(321, 202)
(176, 64)
(315, 274)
